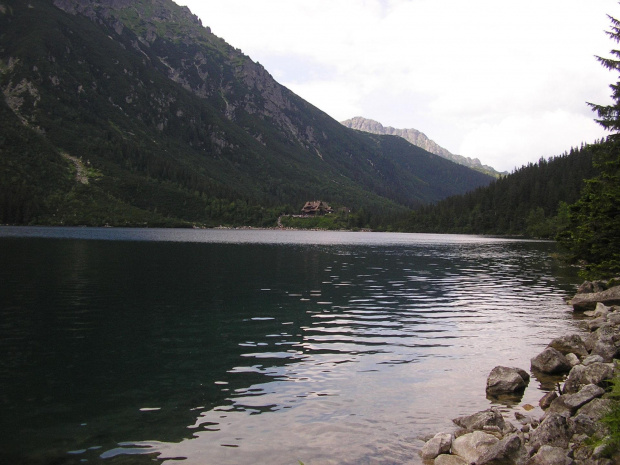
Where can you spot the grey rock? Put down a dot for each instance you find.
(481, 420)
(595, 373)
(439, 444)
(570, 344)
(590, 359)
(553, 431)
(589, 287)
(547, 399)
(508, 451)
(606, 350)
(551, 361)
(596, 409)
(614, 318)
(506, 380)
(585, 427)
(450, 460)
(588, 301)
(597, 323)
(572, 359)
(601, 310)
(472, 446)
(570, 403)
(549, 455)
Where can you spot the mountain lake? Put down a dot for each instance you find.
(136, 346)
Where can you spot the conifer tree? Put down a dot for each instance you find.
(593, 235)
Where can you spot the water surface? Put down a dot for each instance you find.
(239, 346)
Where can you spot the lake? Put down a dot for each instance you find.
(134, 346)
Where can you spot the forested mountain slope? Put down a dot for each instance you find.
(532, 201)
(170, 124)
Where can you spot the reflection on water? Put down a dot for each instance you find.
(227, 347)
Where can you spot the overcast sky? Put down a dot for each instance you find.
(503, 81)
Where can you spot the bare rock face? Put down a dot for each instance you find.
(551, 361)
(506, 380)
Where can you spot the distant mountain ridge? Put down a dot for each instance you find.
(418, 139)
(171, 124)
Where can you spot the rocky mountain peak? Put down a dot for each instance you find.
(418, 139)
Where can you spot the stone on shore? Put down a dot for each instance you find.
(553, 431)
(547, 399)
(595, 373)
(551, 361)
(506, 380)
(549, 455)
(588, 301)
(472, 446)
(508, 451)
(439, 444)
(486, 419)
(570, 344)
(570, 403)
(450, 460)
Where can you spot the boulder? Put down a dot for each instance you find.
(549, 455)
(601, 310)
(597, 323)
(614, 318)
(588, 301)
(439, 444)
(596, 409)
(450, 460)
(570, 403)
(553, 431)
(482, 420)
(570, 344)
(551, 361)
(572, 359)
(506, 380)
(472, 446)
(581, 375)
(607, 350)
(508, 451)
(590, 359)
(547, 399)
(589, 287)
(585, 427)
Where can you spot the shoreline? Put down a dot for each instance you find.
(569, 432)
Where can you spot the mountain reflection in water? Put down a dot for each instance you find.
(227, 347)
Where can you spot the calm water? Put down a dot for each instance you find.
(234, 347)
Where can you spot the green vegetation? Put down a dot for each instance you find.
(532, 201)
(592, 234)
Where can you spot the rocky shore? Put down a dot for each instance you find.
(578, 367)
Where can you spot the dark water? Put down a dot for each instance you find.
(235, 347)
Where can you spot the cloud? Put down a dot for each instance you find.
(455, 70)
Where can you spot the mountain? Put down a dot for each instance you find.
(131, 112)
(419, 139)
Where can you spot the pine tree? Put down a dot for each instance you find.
(609, 115)
(593, 235)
